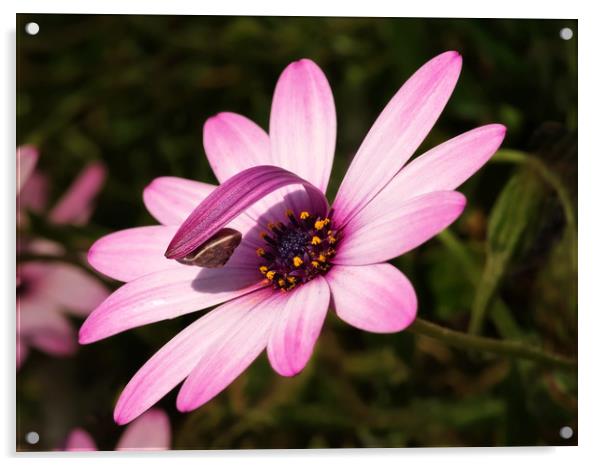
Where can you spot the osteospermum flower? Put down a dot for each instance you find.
(151, 431)
(47, 291)
(296, 254)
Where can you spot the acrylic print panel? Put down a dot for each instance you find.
(262, 232)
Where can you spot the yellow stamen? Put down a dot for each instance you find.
(289, 212)
(263, 269)
(303, 215)
(315, 240)
(291, 279)
(297, 261)
(322, 258)
(281, 282)
(270, 275)
(316, 264)
(319, 224)
(260, 252)
(332, 239)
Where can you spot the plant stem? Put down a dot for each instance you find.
(510, 348)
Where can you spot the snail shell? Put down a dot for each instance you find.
(216, 251)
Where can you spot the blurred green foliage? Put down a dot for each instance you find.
(133, 91)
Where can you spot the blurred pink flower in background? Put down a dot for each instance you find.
(47, 290)
(297, 255)
(151, 431)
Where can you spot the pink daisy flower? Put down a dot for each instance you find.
(151, 431)
(48, 291)
(297, 255)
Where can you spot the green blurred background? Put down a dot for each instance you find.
(134, 91)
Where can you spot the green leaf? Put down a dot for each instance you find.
(510, 224)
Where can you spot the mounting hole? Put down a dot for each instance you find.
(566, 432)
(566, 33)
(32, 28)
(32, 438)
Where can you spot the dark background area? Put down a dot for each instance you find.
(134, 91)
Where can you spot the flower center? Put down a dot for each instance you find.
(298, 251)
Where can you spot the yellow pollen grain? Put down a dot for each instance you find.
(260, 252)
(281, 282)
(332, 239)
(303, 215)
(270, 275)
(316, 264)
(263, 269)
(291, 279)
(297, 261)
(322, 258)
(316, 240)
(319, 224)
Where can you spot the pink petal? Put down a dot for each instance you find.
(34, 193)
(151, 431)
(301, 314)
(170, 199)
(165, 295)
(303, 123)
(378, 235)
(376, 298)
(133, 253)
(22, 352)
(226, 357)
(234, 143)
(397, 133)
(444, 167)
(75, 206)
(231, 199)
(172, 363)
(39, 324)
(80, 440)
(27, 158)
(71, 288)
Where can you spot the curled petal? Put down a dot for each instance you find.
(231, 199)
